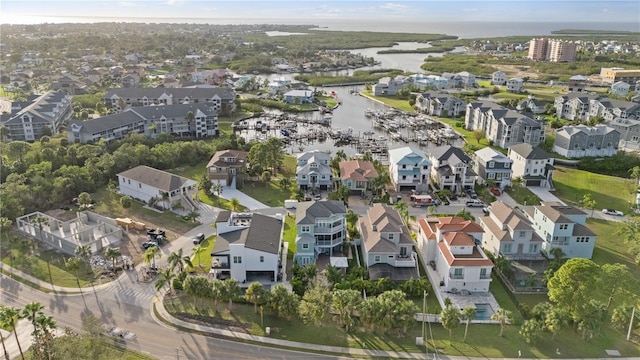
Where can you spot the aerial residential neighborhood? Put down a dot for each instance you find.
(166, 188)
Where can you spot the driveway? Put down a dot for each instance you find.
(544, 194)
(230, 192)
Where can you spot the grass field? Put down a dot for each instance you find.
(608, 191)
(289, 235)
(202, 262)
(392, 101)
(482, 340)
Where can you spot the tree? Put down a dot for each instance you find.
(502, 316)
(615, 278)
(196, 251)
(40, 222)
(31, 311)
(112, 253)
(590, 324)
(555, 320)
(283, 303)
(126, 202)
(479, 135)
(84, 200)
(254, 294)
(390, 312)
(450, 318)
(266, 177)
(198, 287)
(231, 291)
(9, 318)
(192, 216)
(285, 183)
(589, 203)
(571, 286)
(531, 330)
(43, 335)
(333, 275)
(84, 253)
(315, 305)
(629, 231)
(621, 317)
(73, 265)
(150, 255)
(166, 278)
(517, 181)
(177, 259)
(469, 313)
(234, 203)
(403, 210)
(5, 224)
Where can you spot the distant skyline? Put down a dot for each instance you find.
(317, 12)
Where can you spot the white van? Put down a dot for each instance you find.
(290, 204)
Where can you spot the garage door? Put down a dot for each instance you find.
(407, 187)
(533, 182)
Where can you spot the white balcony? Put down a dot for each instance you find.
(405, 260)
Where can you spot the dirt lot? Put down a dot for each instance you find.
(517, 71)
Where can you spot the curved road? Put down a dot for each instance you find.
(127, 305)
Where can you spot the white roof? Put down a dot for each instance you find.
(339, 262)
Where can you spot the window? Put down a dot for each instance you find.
(323, 176)
(533, 248)
(305, 228)
(140, 185)
(483, 273)
(564, 226)
(457, 272)
(237, 259)
(404, 166)
(404, 177)
(261, 258)
(507, 165)
(491, 175)
(491, 164)
(376, 258)
(506, 248)
(391, 236)
(128, 181)
(305, 246)
(304, 177)
(522, 233)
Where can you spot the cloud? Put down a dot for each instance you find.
(392, 6)
(174, 2)
(127, 4)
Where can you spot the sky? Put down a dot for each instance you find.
(313, 11)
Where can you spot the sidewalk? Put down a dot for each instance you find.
(164, 315)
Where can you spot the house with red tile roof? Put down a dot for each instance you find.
(451, 247)
(356, 175)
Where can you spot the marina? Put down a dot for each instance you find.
(357, 126)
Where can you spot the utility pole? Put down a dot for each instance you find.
(633, 313)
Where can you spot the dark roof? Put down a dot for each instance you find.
(106, 122)
(177, 93)
(216, 159)
(157, 178)
(223, 216)
(308, 211)
(264, 234)
(445, 152)
(529, 152)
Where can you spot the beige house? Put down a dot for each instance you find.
(226, 166)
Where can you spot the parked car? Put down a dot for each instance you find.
(612, 212)
(148, 244)
(198, 239)
(472, 193)
(317, 197)
(475, 203)
(486, 210)
(495, 191)
(453, 197)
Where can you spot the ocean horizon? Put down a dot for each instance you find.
(462, 29)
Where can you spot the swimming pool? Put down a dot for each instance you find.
(484, 311)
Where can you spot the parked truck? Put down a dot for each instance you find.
(422, 200)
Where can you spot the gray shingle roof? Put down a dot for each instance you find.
(263, 234)
(177, 93)
(308, 211)
(529, 152)
(159, 179)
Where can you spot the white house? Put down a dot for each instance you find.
(248, 248)
(314, 171)
(508, 232)
(498, 78)
(533, 165)
(299, 97)
(514, 85)
(563, 226)
(409, 169)
(451, 246)
(620, 88)
(452, 168)
(491, 164)
(387, 244)
(581, 141)
(145, 183)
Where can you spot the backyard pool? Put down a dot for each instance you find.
(484, 311)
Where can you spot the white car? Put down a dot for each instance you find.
(612, 212)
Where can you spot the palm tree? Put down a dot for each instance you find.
(10, 317)
(285, 183)
(150, 255)
(73, 265)
(517, 182)
(167, 200)
(255, 292)
(193, 216)
(166, 278)
(196, 253)
(469, 313)
(177, 259)
(112, 253)
(235, 204)
(31, 312)
(231, 290)
(40, 221)
(45, 324)
(84, 252)
(502, 316)
(403, 210)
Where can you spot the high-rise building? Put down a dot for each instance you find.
(552, 50)
(538, 49)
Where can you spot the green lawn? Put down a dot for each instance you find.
(466, 134)
(610, 248)
(393, 101)
(289, 235)
(482, 341)
(270, 194)
(608, 191)
(523, 196)
(202, 262)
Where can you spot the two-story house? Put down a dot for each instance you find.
(581, 141)
(452, 169)
(147, 184)
(629, 130)
(313, 170)
(248, 248)
(387, 86)
(514, 85)
(299, 97)
(387, 245)
(563, 226)
(355, 175)
(409, 169)
(451, 247)
(504, 127)
(321, 229)
(226, 166)
(508, 232)
(620, 88)
(493, 165)
(130, 80)
(532, 164)
(498, 78)
(440, 104)
(40, 115)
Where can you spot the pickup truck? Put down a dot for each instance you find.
(475, 203)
